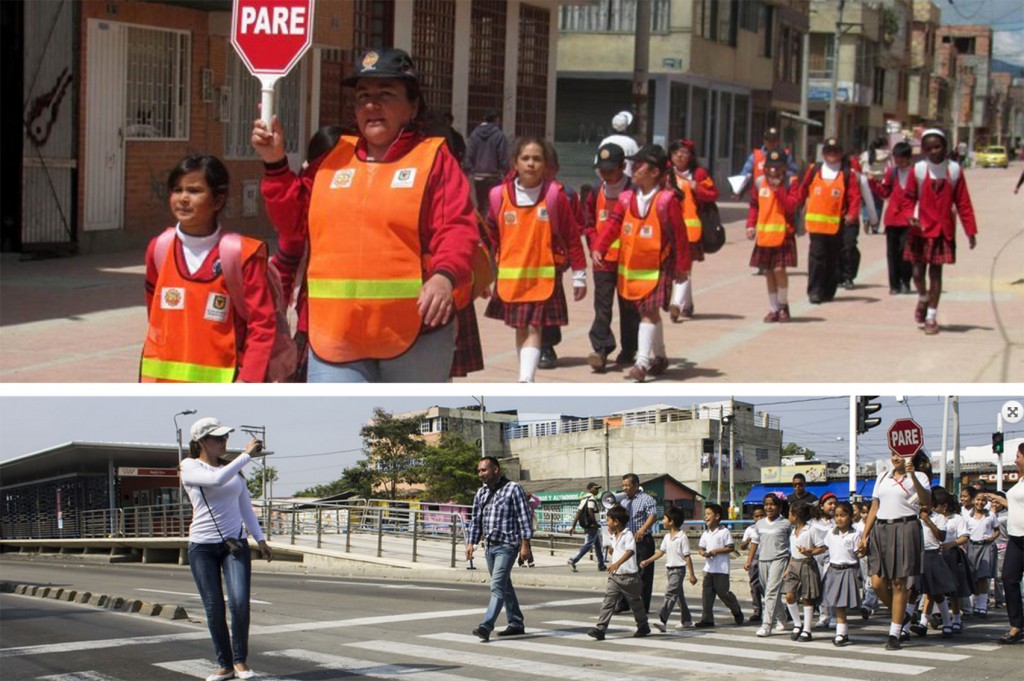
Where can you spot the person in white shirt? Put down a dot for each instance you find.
(623, 577)
(953, 553)
(714, 546)
(620, 124)
(936, 579)
(217, 543)
(983, 528)
(802, 582)
(770, 546)
(676, 546)
(1013, 563)
(841, 590)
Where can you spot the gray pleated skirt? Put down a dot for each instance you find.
(842, 586)
(983, 560)
(936, 578)
(803, 579)
(896, 551)
(956, 560)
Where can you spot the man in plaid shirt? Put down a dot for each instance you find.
(501, 520)
(642, 515)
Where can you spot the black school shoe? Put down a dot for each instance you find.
(703, 624)
(841, 641)
(893, 643)
(642, 631)
(548, 358)
(919, 629)
(482, 634)
(1010, 639)
(512, 631)
(738, 619)
(596, 634)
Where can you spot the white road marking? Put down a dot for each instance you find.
(196, 597)
(411, 587)
(78, 676)
(375, 670)
(200, 669)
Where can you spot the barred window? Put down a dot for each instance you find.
(611, 16)
(157, 102)
(433, 50)
(532, 76)
(487, 59)
(245, 94)
(373, 21)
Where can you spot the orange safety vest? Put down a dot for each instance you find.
(690, 216)
(191, 336)
(643, 249)
(824, 204)
(759, 158)
(604, 209)
(365, 257)
(771, 216)
(526, 263)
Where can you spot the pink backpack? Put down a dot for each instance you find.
(283, 355)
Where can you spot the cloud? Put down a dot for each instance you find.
(1009, 46)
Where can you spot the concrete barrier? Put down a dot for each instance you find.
(111, 602)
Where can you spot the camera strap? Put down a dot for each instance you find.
(214, 519)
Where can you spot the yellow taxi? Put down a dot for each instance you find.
(988, 157)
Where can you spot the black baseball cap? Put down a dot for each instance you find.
(650, 153)
(832, 144)
(609, 157)
(776, 158)
(593, 486)
(771, 134)
(383, 63)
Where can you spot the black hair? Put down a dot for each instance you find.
(757, 508)
(715, 508)
(618, 514)
(781, 502)
(971, 492)
(941, 497)
(213, 169)
(522, 142)
(194, 450)
(632, 477)
(801, 477)
(676, 516)
(491, 116)
(922, 463)
(493, 460)
(802, 511)
(846, 506)
(323, 140)
(902, 150)
(676, 146)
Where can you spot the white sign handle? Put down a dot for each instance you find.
(267, 101)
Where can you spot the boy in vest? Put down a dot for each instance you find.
(832, 199)
(942, 188)
(611, 166)
(900, 188)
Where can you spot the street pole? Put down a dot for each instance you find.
(831, 125)
(956, 446)
(805, 65)
(732, 455)
(853, 445)
(181, 487)
(721, 414)
(483, 444)
(607, 461)
(641, 64)
(945, 441)
(999, 457)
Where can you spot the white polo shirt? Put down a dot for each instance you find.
(718, 538)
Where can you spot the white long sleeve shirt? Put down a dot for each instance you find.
(226, 495)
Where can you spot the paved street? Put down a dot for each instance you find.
(313, 626)
(81, 319)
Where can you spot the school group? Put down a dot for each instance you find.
(382, 252)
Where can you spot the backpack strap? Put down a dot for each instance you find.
(231, 268)
(551, 202)
(495, 199)
(162, 247)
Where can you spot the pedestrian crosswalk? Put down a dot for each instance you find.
(560, 649)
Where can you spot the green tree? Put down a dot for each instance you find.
(255, 481)
(794, 450)
(449, 470)
(357, 479)
(393, 449)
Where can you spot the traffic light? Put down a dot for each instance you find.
(865, 407)
(997, 443)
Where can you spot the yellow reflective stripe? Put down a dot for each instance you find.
(185, 372)
(692, 222)
(772, 227)
(365, 289)
(615, 244)
(640, 275)
(819, 217)
(546, 272)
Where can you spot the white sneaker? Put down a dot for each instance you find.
(764, 630)
(659, 625)
(247, 674)
(572, 565)
(823, 623)
(221, 677)
(779, 627)
(685, 625)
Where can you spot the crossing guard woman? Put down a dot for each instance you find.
(391, 233)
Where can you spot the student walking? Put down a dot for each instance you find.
(676, 546)
(754, 576)
(211, 310)
(769, 545)
(623, 579)
(841, 590)
(587, 518)
(697, 188)
(217, 542)
(936, 579)
(983, 527)
(773, 204)
(802, 582)
(653, 254)
(899, 186)
(535, 236)
(714, 546)
(942, 188)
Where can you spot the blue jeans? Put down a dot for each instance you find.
(207, 561)
(429, 360)
(500, 559)
(593, 541)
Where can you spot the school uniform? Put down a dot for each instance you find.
(841, 581)
(716, 575)
(624, 583)
(942, 188)
(956, 558)
(980, 551)
(772, 213)
(900, 188)
(802, 578)
(754, 575)
(896, 546)
(676, 549)
(772, 538)
(832, 196)
(936, 577)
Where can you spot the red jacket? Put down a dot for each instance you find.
(851, 197)
(677, 233)
(936, 203)
(255, 338)
(704, 192)
(448, 229)
(902, 198)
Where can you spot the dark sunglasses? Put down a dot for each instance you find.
(216, 437)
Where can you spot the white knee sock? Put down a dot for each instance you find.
(783, 296)
(773, 301)
(794, 612)
(981, 602)
(678, 294)
(645, 344)
(895, 629)
(688, 291)
(944, 610)
(529, 358)
(658, 344)
(808, 617)
(842, 629)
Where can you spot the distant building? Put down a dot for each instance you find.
(965, 60)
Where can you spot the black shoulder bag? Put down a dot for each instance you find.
(234, 545)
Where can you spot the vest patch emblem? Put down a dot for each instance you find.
(343, 178)
(510, 217)
(817, 191)
(602, 214)
(627, 228)
(765, 192)
(836, 193)
(646, 231)
(404, 178)
(216, 308)
(172, 298)
(542, 213)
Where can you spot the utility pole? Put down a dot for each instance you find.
(607, 461)
(732, 456)
(641, 63)
(805, 78)
(956, 447)
(945, 440)
(721, 415)
(832, 126)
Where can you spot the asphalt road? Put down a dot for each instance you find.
(317, 626)
(82, 319)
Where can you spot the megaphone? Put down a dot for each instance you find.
(609, 499)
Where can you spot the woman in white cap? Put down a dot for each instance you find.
(217, 541)
(620, 124)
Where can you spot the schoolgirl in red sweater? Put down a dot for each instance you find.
(697, 188)
(900, 188)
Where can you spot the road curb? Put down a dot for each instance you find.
(132, 606)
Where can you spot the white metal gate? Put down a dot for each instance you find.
(104, 137)
(48, 157)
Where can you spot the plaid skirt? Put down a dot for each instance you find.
(469, 355)
(929, 250)
(936, 578)
(658, 299)
(551, 312)
(956, 560)
(842, 586)
(803, 579)
(895, 551)
(775, 257)
(982, 558)
(696, 251)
